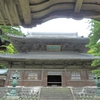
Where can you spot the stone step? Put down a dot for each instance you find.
(57, 93)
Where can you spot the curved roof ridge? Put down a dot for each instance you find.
(46, 36)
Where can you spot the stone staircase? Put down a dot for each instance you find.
(55, 93)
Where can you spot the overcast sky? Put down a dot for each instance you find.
(62, 25)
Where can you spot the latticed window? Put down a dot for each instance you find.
(75, 75)
(33, 76)
(13, 74)
(90, 76)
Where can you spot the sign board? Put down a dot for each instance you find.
(54, 73)
(53, 47)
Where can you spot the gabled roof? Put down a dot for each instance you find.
(29, 13)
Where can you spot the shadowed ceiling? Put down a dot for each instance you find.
(29, 13)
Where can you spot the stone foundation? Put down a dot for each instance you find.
(12, 98)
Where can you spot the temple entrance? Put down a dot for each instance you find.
(54, 80)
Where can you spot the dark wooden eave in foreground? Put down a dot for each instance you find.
(29, 13)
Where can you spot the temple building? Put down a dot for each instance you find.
(49, 60)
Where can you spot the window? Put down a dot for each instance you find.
(15, 74)
(75, 76)
(90, 76)
(33, 76)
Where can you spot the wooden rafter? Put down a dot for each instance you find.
(8, 14)
(15, 9)
(78, 5)
(2, 18)
(25, 11)
(97, 17)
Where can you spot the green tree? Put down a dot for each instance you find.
(11, 30)
(94, 44)
(10, 48)
(2, 66)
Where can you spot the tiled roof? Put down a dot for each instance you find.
(40, 42)
(3, 71)
(48, 56)
(48, 36)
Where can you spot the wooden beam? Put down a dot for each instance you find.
(94, 16)
(78, 5)
(8, 14)
(2, 19)
(16, 13)
(24, 4)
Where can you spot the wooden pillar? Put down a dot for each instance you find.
(86, 78)
(44, 81)
(7, 78)
(63, 79)
(23, 73)
(8, 74)
(42, 73)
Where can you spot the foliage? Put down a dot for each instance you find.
(94, 44)
(11, 49)
(11, 30)
(2, 66)
(96, 72)
(94, 37)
